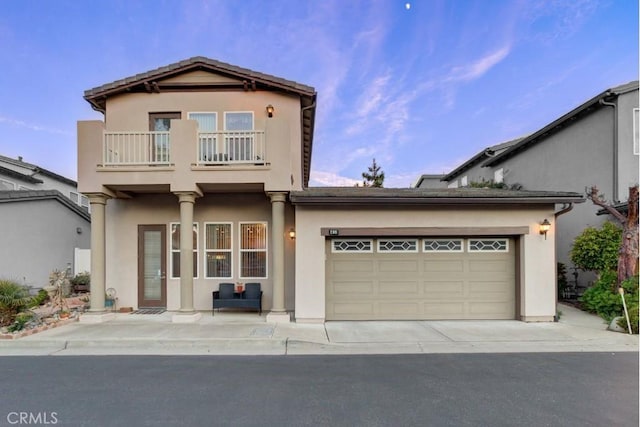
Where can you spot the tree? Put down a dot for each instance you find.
(596, 249)
(628, 252)
(374, 177)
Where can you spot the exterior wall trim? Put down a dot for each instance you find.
(423, 231)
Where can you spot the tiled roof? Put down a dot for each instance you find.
(426, 196)
(15, 174)
(30, 195)
(146, 81)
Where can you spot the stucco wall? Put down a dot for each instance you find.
(37, 237)
(537, 258)
(124, 216)
(627, 161)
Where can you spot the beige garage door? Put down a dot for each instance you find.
(420, 279)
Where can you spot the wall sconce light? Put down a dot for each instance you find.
(292, 234)
(545, 226)
(78, 230)
(270, 110)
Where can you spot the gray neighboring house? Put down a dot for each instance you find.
(430, 181)
(42, 222)
(596, 143)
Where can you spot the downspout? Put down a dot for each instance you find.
(566, 208)
(615, 145)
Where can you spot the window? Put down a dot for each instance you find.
(160, 123)
(84, 201)
(464, 181)
(397, 245)
(253, 250)
(74, 197)
(453, 184)
(352, 245)
(488, 245)
(7, 185)
(207, 138)
(238, 126)
(636, 131)
(218, 255)
(175, 250)
(442, 245)
(498, 176)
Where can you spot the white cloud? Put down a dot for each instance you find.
(33, 126)
(330, 179)
(479, 67)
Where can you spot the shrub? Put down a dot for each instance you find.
(21, 320)
(14, 298)
(633, 319)
(561, 279)
(39, 298)
(603, 300)
(597, 249)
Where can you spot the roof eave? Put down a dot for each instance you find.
(362, 201)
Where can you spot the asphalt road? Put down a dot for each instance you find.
(542, 389)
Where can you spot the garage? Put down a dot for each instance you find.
(398, 278)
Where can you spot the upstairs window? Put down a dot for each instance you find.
(208, 147)
(239, 136)
(636, 131)
(498, 176)
(7, 185)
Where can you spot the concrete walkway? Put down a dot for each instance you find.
(249, 334)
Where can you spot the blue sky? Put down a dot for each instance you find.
(420, 88)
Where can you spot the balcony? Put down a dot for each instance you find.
(154, 148)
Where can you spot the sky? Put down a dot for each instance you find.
(421, 86)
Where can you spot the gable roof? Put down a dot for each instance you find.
(30, 195)
(582, 110)
(17, 175)
(485, 154)
(368, 196)
(36, 170)
(151, 81)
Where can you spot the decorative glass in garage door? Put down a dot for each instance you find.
(442, 245)
(352, 245)
(397, 245)
(488, 245)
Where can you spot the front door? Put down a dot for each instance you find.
(152, 266)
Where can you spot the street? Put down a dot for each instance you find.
(542, 389)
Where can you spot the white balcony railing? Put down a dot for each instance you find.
(136, 148)
(231, 147)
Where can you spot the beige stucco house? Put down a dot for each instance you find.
(225, 152)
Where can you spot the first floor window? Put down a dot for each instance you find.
(253, 250)
(175, 250)
(7, 185)
(218, 256)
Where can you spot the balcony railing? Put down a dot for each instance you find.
(231, 147)
(136, 148)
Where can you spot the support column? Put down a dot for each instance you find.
(278, 313)
(97, 312)
(187, 313)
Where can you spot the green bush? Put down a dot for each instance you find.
(603, 300)
(39, 298)
(597, 249)
(21, 320)
(633, 319)
(14, 298)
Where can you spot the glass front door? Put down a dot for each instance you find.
(152, 277)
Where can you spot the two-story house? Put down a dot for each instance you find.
(199, 174)
(44, 223)
(596, 143)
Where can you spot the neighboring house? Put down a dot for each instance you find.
(430, 181)
(596, 143)
(16, 174)
(40, 230)
(225, 153)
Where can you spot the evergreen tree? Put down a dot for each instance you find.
(374, 177)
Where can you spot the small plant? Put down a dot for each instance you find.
(14, 298)
(21, 321)
(81, 281)
(561, 279)
(39, 299)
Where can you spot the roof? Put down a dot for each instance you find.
(487, 153)
(31, 195)
(426, 176)
(427, 196)
(36, 170)
(587, 108)
(151, 81)
(15, 174)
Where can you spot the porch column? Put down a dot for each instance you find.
(278, 312)
(97, 311)
(187, 312)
